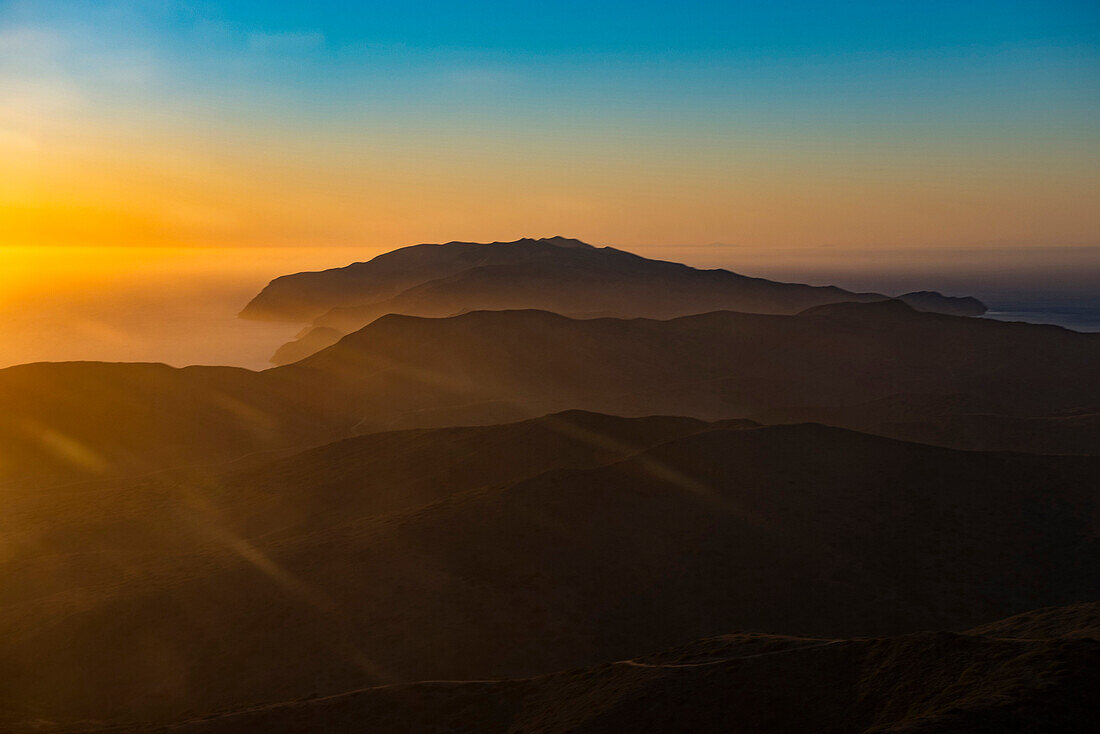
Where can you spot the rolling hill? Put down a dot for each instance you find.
(919, 683)
(958, 421)
(517, 550)
(710, 366)
(1030, 387)
(69, 421)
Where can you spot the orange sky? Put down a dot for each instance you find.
(151, 189)
(864, 125)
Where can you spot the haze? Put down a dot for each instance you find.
(607, 366)
(868, 145)
(178, 305)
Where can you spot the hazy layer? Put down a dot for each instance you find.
(179, 305)
(173, 305)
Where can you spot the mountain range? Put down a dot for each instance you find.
(878, 366)
(511, 551)
(556, 274)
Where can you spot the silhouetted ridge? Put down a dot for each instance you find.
(920, 684)
(875, 367)
(848, 309)
(557, 274)
(301, 296)
(557, 241)
(1077, 620)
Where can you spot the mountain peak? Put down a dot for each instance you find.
(555, 241)
(554, 273)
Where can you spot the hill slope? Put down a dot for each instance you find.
(62, 422)
(555, 274)
(1077, 620)
(959, 421)
(515, 550)
(488, 366)
(769, 684)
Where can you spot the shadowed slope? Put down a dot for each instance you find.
(1078, 620)
(62, 422)
(502, 573)
(927, 682)
(67, 421)
(487, 366)
(958, 421)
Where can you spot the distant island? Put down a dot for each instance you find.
(557, 274)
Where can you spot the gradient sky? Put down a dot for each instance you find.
(763, 125)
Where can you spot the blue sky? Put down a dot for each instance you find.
(656, 29)
(577, 116)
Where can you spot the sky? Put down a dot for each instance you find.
(161, 160)
(765, 126)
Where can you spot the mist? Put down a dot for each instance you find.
(171, 305)
(179, 305)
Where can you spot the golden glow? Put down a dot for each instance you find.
(129, 159)
(135, 188)
(160, 304)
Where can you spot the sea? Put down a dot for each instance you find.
(1077, 318)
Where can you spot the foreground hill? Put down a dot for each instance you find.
(714, 365)
(62, 422)
(1077, 620)
(515, 550)
(1031, 387)
(879, 367)
(555, 274)
(925, 682)
(959, 421)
